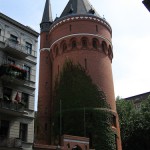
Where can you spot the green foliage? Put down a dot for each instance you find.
(134, 124)
(82, 108)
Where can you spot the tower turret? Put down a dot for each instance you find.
(45, 80)
(45, 25)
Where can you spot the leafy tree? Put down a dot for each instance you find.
(84, 109)
(134, 124)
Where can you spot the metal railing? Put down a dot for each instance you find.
(8, 104)
(8, 42)
(10, 142)
(31, 76)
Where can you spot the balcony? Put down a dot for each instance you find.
(10, 142)
(12, 108)
(11, 72)
(14, 48)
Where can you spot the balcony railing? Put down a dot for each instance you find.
(14, 47)
(9, 105)
(10, 142)
(13, 71)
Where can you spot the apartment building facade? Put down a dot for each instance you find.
(18, 58)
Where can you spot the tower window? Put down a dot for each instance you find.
(85, 63)
(56, 51)
(96, 28)
(58, 69)
(64, 47)
(110, 53)
(95, 43)
(104, 47)
(74, 44)
(84, 43)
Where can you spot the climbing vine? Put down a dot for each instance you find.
(84, 110)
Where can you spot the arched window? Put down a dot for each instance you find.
(74, 44)
(95, 43)
(110, 53)
(104, 47)
(84, 43)
(57, 51)
(64, 47)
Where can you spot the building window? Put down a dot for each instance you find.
(25, 99)
(0, 31)
(29, 47)
(4, 129)
(23, 132)
(7, 93)
(13, 38)
(84, 43)
(74, 44)
(28, 69)
(11, 61)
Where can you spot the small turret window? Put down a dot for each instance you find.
(70, 27)
(96, 28)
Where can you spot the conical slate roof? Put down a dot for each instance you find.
(47, 15)
(78, 7)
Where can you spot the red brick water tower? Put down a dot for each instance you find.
(80, 34)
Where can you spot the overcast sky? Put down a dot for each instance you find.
(130, 22)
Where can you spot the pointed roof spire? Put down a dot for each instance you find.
(47, 15)
(78, 7)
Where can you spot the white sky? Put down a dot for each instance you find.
(130, 22)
